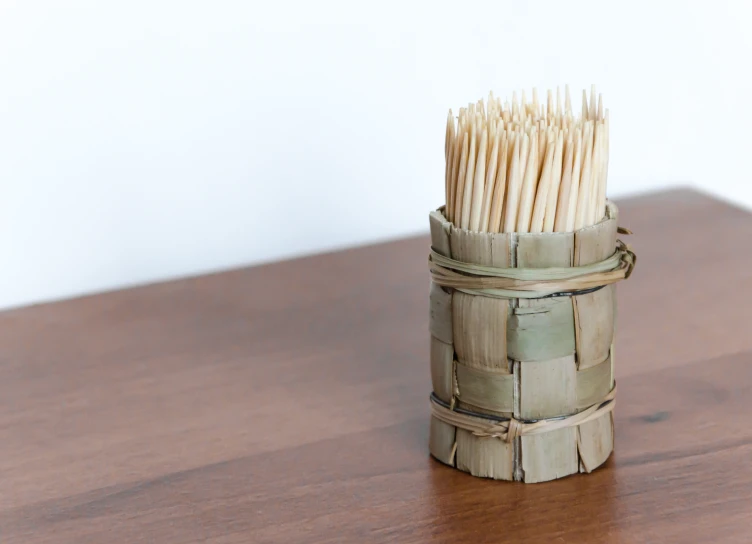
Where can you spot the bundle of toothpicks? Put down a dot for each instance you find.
(525, 166)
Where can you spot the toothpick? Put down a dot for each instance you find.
(467, 197)
(490, 131)
(553, 192)
(511, 209)
(500, 185)
(592, 103)
(479, 184)
(560, 224)
(567, 100)
(574, 190)
(544, 185)
(449, 155)
(524, 152)
(456, 151)
(449, 130)
(584, 105)
(512, 136)
(489, 187)
(461, 176)
(595, 175)
(527, 195)
(599, 210)
(583, 199)
(542, 149)
(550, 105)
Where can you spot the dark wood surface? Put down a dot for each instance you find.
(289, 403)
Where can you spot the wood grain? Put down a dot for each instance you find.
(288, 403)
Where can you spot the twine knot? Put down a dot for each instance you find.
(514, 430)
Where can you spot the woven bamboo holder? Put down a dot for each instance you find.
(523, 366)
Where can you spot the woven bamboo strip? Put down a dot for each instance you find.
(442, 436)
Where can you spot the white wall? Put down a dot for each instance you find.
(145, 140)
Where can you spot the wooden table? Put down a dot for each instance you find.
(289, 403)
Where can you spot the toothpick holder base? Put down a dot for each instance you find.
(523, 387)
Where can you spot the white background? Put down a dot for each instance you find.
(147, 140)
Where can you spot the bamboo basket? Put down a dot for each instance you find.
(522, 364)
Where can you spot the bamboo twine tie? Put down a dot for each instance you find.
(530, 282)
(508, 429)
